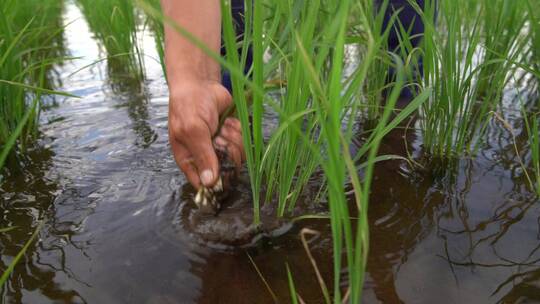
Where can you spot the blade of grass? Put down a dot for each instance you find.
(11, 267)
(3, 230)
(274, 297)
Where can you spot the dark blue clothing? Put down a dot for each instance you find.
(411, 21)
(237, 7)
(408, 17)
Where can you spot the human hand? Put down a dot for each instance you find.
(194, 111)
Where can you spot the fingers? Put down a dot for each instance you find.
(222, 97)
(232, 132)
(233, 152)
(230, 138)
(185, 162)
(193, 121)
(234, 123)
(199, 144)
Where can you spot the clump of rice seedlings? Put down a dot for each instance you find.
(316, 107)
(114, 24)
(30, 44)
(467, 61)
(334, 103)
(503, 43)
(455, 117)
(288, 162)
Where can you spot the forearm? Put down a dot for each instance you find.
(184, 61)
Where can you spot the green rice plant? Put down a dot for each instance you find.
(292, 288)
(334, 104)
(288, 163)
(532, 125)
(455, 117)
(30, 45)
(13, 105)
(381, 68)
(7, 272)
(534, 23)
(503, 44)
(114, 24)
(316, 109)
(156, 27)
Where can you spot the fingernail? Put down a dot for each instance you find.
(207, 177)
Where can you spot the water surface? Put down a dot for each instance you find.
(104, 182)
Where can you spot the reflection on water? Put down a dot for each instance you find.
(104, 182)
(114, 24)
(467, 235)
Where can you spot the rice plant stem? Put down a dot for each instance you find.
(11, 267)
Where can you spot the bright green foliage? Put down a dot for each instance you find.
(470, 51)
(5, 276)
(532, 126)
(534, 22)
(379, 70)
(30, 43)
(316, 107)
(114, 24)
(502, 44)
(289, 162)
(453, 114)
(156, 26)
(292, 288)
(467, 61)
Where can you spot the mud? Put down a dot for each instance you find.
(233, 225)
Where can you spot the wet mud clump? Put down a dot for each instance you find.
(223, 215)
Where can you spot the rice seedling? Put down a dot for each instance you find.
(332, 106)
(467, 61)
(455, 117)
(313, 103)
(288, 162)
(7, 272)
(292, 288)
(156, 27)
(534, 23)
(503, 43)
(114, 24)
(30, 44)
(532, 125)
(386, 26)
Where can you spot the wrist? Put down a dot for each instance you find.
(189, 86)
(186, 77)
(187, 64)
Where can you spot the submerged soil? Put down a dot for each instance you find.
(232, 227)
(119, 224)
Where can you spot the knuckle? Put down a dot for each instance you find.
(233, 122)
(185, 128)
(221, 93)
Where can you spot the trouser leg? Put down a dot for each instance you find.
(238, 12)
(408, 18)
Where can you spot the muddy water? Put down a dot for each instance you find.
(111, 198)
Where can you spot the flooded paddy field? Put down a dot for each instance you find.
(103, 182)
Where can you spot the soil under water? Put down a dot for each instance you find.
(119, 226)
(232, 226)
